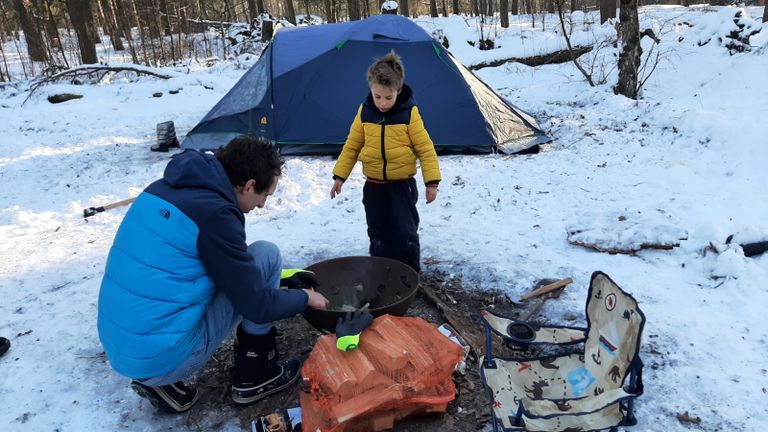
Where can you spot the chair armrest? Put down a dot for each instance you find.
(532, 333)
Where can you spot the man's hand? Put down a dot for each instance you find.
(336, 189)
(431, 192)
(298, 278)
(316, 300)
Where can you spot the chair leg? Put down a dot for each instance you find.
(629, 417)
(488, 363)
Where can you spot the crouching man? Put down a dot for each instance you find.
(180, 277)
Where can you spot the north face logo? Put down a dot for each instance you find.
(165, 213)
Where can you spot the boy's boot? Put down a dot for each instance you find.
(171, 398)
(257, 373)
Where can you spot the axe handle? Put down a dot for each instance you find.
(119, 203)
(547, 288)
(90, 211)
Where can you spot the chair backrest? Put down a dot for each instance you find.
(615, 327)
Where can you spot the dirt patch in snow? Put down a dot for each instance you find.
(469, 411)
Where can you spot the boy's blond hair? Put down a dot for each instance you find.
(387, 71)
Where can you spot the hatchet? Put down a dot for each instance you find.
(90, 211)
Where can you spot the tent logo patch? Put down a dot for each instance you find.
(610, 301)
(263, 120)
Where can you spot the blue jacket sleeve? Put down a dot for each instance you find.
(224, 254)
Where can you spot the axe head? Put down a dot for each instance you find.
(90, 211)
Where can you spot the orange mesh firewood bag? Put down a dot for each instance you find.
(403, 366)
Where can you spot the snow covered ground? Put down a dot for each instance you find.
(689, 157)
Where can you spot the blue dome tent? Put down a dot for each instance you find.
(304, 91)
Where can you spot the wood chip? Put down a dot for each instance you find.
(687, 418)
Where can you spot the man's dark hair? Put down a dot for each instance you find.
(250, 157)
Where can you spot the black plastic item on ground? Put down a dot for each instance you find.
(385, 285)
(752, 249)
(4, 345)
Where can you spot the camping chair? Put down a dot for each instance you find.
(582, 391)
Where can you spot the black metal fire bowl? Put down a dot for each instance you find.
(385, 285)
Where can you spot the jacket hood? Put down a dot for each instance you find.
(404, 101)
(193, 169)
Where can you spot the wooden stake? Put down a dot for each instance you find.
(547, 288)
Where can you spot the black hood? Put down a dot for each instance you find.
(193, 169)
(404, 101)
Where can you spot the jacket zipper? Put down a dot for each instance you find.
(383, 152)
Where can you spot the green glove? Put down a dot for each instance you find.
(348, 330)
(298, 278)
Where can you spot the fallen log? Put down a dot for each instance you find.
(556, 57)
(63, 97)
(465, 327)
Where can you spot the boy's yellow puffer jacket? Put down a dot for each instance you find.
(389, 143)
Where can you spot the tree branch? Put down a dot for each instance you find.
(92, 69)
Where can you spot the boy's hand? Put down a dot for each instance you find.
(431, 193)
(316, 300)
(336, 189)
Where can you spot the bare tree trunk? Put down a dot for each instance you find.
(7, 75)
(765, 12)
(114, 29)
(50, 22)
(433, 8)
(154, 21)
(550, 6)
(573, 5)
(5, 29)
(252, 10)
(455, 7)
(607, 10)
(82, 21)
(504, 13)
(629, 59)
(53, 32)
(329, 16)
(475, 7)
(142, 33)
(354, 10)
(181, 29)
(124, 23)
(685, 3)
(35, 45)
(529, 6)
(404, 8)
(290, 13)
(166, 23)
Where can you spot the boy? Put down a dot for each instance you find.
(387, 135)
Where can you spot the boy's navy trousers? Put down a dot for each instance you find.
(393, 221)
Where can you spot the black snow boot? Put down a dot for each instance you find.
(258, 373)
(4, 345)
(172, 398)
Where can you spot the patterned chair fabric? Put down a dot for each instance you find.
(590, 390)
